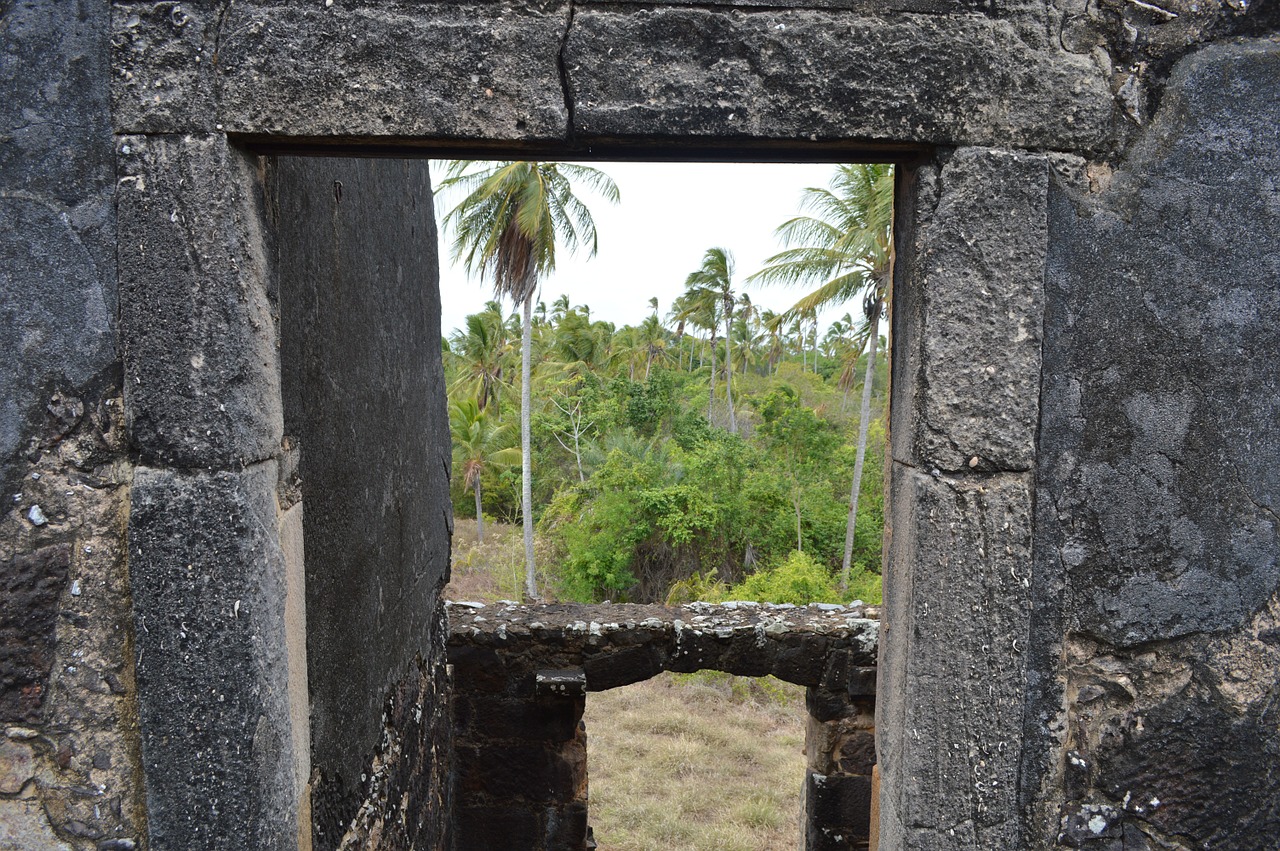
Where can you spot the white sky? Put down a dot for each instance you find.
(669, 215)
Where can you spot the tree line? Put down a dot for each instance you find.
(675, 451)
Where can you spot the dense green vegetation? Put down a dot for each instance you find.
(702, 452)
(635, 487)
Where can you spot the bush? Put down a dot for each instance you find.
(799, 580)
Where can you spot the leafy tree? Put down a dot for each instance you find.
(507, 227)
(846, 246)
(480, 442)
(799, 442)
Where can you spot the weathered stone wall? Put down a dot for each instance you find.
(68, 726)
(521, 676)
(368, 440)
(1157, 534)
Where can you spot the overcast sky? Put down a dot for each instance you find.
(670, 214)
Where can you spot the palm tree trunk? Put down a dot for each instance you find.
(863, 423)
(479, 515)
(526, 447)
(711, 401)
(728, 370)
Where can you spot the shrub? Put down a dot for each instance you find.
(798, 579)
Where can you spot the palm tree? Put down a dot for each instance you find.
(847, 246)
(480, 349)
(653, 337)
(715, 277)
(507, 227)
(479, 442)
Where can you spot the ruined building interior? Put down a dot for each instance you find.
(221, 622)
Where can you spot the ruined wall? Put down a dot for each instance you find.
(522, 675)
(1157, 534)
(368, 442)
(68, 726)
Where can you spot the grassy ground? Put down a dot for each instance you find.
(696, 762)
(702, 762)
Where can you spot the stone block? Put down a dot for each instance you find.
(477, 669)
(545, 720)
(493, 827)
(862, 681)
(801, 662)
(486, 70)
(568, 683)
(623, 667)
(856, 752)
(953, 673)
(521, 772)
(566, 827)
(197, 324)
(961, 79)
(30, 587)
(207, 579)
(838, 812)
(974, 294)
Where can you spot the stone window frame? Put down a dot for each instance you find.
(964, 411)
(202, 370)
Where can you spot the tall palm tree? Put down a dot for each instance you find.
(506, 227)
(846, 245)
(715, 276)
(479, 442)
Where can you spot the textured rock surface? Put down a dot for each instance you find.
(623, 643)
(949, 715)
(68, 738)
(1157, 530)
(57, 246)
(819, 75)
(437, 70)
(1165, 308)
(364, 402)
(200, 343)
(67, 703)
(970, 301)
(208, 592)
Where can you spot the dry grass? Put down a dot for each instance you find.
(492, 571)
(705, 762)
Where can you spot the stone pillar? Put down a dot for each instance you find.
(207, 569)
(520, 779)
(968, 306)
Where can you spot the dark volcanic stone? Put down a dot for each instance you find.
(364, 399)
(1161, 434)
(940, 79)
(207, 577)
(30, 586)
(202, 385)
(452, 70)
(57, 213)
